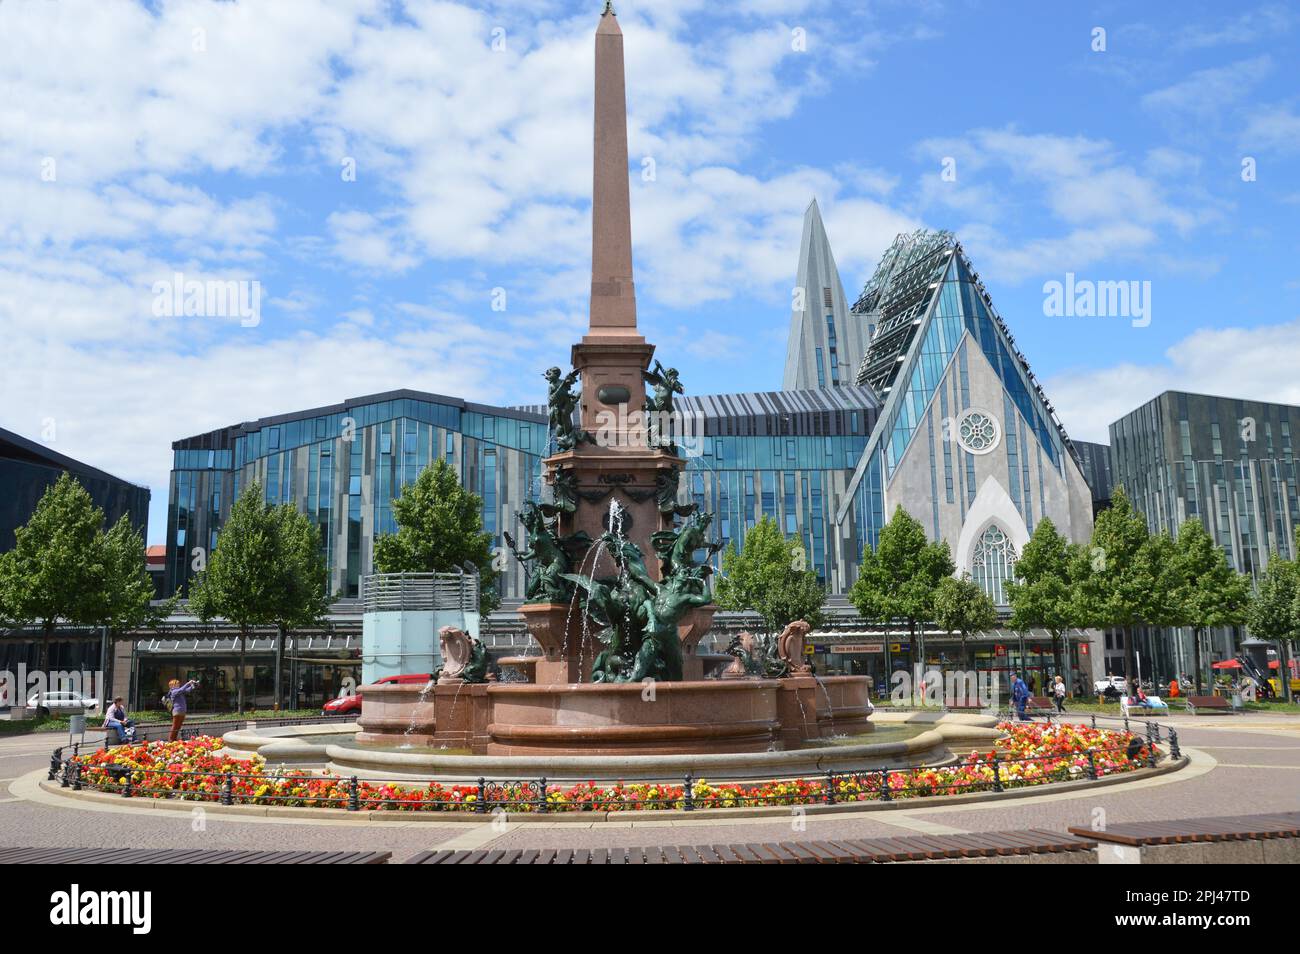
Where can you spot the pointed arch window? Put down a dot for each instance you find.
(993, 563)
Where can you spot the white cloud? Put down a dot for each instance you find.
(1206, 92)
(1237, 362)
(1105, 208)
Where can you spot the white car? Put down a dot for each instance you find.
(61, 703)
(1118, 683)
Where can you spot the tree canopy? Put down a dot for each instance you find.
(439, 530)
(67, 567)
(767, 576)
(899, 579)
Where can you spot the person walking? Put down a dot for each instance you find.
(1019, 695)
(177, 699)
(1058, 693)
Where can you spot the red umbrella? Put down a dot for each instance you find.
(1227, 664)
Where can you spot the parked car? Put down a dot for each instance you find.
(344, 705)
(61, 703)
(350, 703)
(1111, 685)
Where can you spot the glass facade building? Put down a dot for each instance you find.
(28, 469)
(1227, 462)
(968, 443)
(780, 454)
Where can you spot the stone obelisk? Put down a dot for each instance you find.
(612, 355)
(618, 467)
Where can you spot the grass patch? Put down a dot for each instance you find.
(24, 726)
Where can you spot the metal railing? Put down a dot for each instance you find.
(990, 773)
(420, 591)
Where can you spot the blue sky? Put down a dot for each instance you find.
(139, 140)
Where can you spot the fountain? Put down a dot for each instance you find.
(617, 595)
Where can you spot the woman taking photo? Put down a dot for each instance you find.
(176, 699)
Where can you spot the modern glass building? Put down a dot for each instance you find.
(967, 442)
(1095, 461)
(826, 341)
(342, 466)
(27, 470)
(1227, 462)
(782, 454)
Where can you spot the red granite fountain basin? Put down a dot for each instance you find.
(634, 719)
(614, 719)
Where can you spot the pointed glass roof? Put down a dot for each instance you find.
(925, 297)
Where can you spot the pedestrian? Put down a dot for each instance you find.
(1058, 691)
(116, 725)
(1019, 695)
(176, 699)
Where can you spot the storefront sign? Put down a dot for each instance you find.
(900, 647)
(859, 648)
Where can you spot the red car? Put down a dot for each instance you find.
(350, 704)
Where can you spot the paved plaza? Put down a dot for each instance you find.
(1243, 764)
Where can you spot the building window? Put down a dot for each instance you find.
(978, 432)
(993, 563)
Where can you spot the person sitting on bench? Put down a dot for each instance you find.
(117, 726)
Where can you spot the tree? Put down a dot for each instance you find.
(768, 577)
(899, 579)
(961, 606)
(1117, 584)
(243, 583)
(1208, 592)
(1274, 610)
(125, 594)
(304, 596)
(54, 572)
(439, 530)
(1043, 593)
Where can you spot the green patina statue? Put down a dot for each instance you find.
(465, 657)
(756, 655)
(561, 402)
(676, 548)
(638, 615)
(546, 557)
(659, 406)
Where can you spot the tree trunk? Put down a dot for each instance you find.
(279, 665)
(1196, 640)
(1284, 667)
(239, 677)
(1058, 656)
(918, 654)
(1129, 658)
(43, 656)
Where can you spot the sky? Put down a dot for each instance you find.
(403, 190)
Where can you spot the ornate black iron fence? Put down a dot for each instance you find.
(993, 773)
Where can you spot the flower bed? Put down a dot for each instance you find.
(1029, 754)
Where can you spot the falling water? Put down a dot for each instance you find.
(419, 705)
(830, 706)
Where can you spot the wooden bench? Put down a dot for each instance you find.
(1231, 839)
(908, 848)
(185, 856)
(1198, 704)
